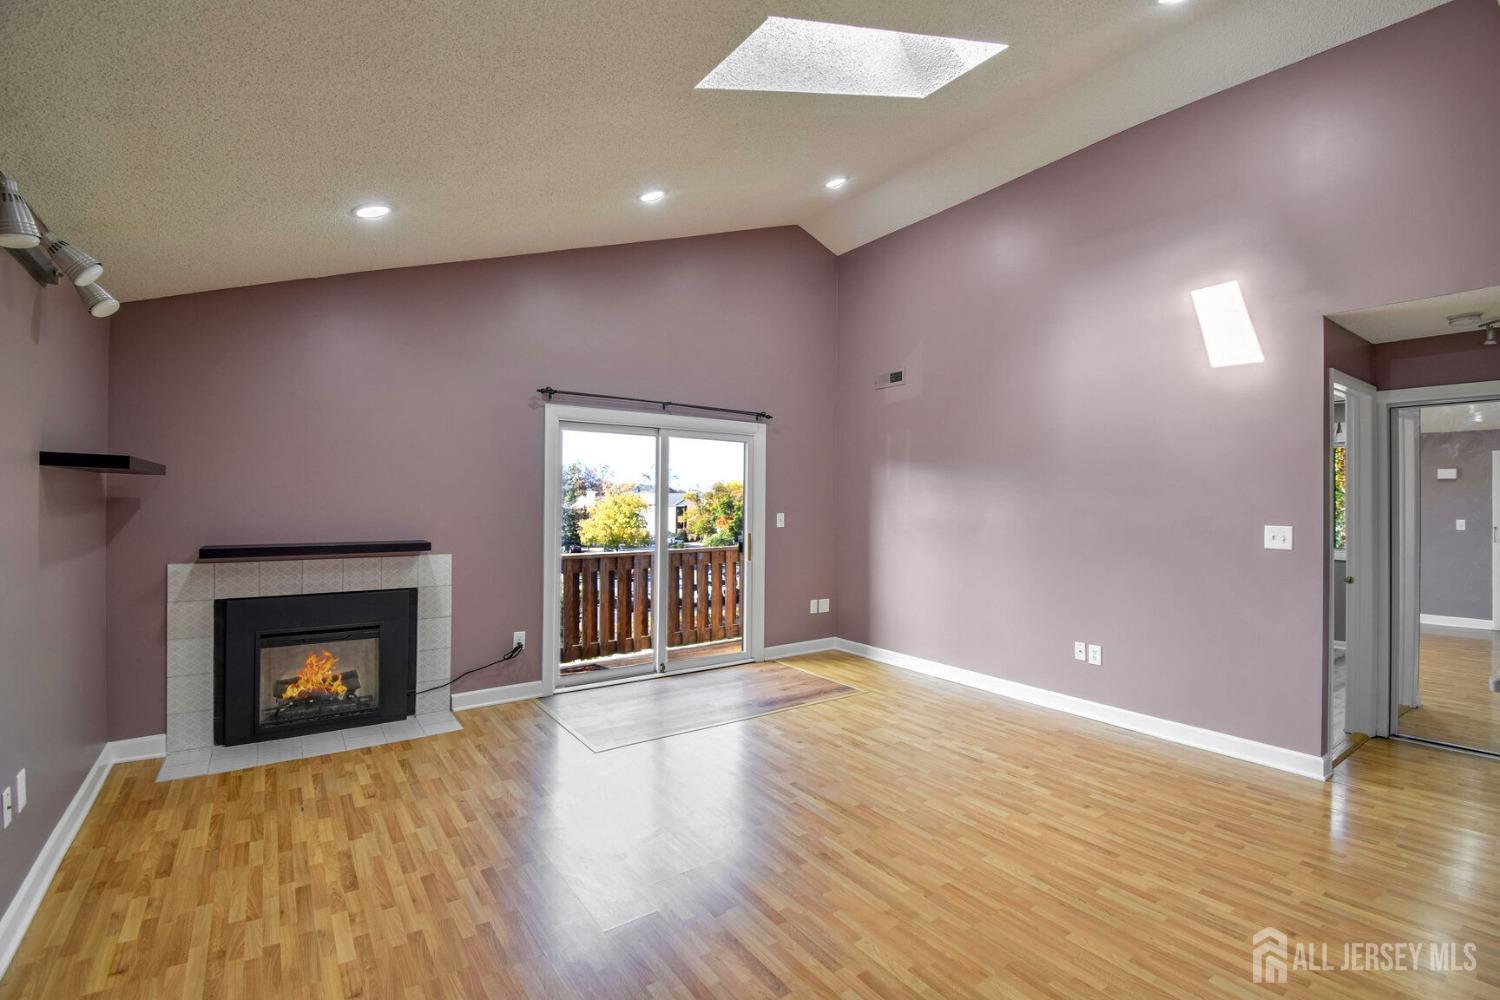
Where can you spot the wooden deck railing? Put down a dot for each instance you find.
(607, 600)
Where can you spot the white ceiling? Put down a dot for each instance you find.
(1421, 317)
(195, 146)
(1461, 417)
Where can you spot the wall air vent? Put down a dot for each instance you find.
(887, 379)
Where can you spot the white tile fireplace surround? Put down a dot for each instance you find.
(192, 589)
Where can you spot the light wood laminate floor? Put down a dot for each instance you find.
(1458, 704)
(920, 839)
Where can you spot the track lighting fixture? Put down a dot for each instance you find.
(47, 256)
(1489, 332)
(77, 266)
(100, 303)
(18, 228)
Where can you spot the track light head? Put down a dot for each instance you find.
(18, 228)
(100, 303)
(77, 266)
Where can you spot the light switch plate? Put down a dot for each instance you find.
(20, 790)
(812, 606)
(822, 605)
(1278, 536)
(1460, 525)
(1096, 654)
(781, 520)
(7, 806)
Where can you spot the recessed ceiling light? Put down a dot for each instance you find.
(1168, 3)
(1228, 334)
(834, 183)
(653, 196)
(372, 211)
(812, 57)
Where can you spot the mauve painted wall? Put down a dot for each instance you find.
(1064, 465)
(1456, 564)
(1443, 360)
(1348, 352)
(400, 404)
(53, 395)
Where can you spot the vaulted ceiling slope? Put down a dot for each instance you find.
(196, 146)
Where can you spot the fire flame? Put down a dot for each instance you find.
(317, 676)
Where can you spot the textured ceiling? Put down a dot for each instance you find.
(195, 146)
(1421, 317)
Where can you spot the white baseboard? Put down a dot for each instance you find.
(140, 748)
(480, 698)
(28, 898)
(1449, 621)
(799, 648)
(1280, 758)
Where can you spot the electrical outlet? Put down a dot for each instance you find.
(822, 605)
(518, 638)
(812, 606)
(1080, 652)
(7, 805)
(781, 520)
(1096, 654)
(1460, 525)
(20, 790)
(1278, 536)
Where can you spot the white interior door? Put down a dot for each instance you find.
(1356, 577)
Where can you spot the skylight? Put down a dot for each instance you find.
(812, 57)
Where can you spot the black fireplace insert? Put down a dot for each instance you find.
(310, 663)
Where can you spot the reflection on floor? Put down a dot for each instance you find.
(919, 839)
(624, 714)
(1459, 702)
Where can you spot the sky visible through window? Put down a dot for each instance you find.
(697, 463)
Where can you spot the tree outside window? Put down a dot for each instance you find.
(716, 516)
(617, 522)
(1340, 515)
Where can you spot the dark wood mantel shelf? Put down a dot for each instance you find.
(84, 461)
(290, 550)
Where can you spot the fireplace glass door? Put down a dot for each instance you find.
(317, 677)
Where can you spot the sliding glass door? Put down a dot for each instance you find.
(650, 567)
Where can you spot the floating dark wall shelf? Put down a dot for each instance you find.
(291, 549)
(88, 462)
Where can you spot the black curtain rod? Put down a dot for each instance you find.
(549, 392)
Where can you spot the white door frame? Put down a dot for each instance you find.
(1391, 566)
(1495, 539)
(754, 435)
(1361, 703)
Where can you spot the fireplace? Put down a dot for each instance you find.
(310, 663)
